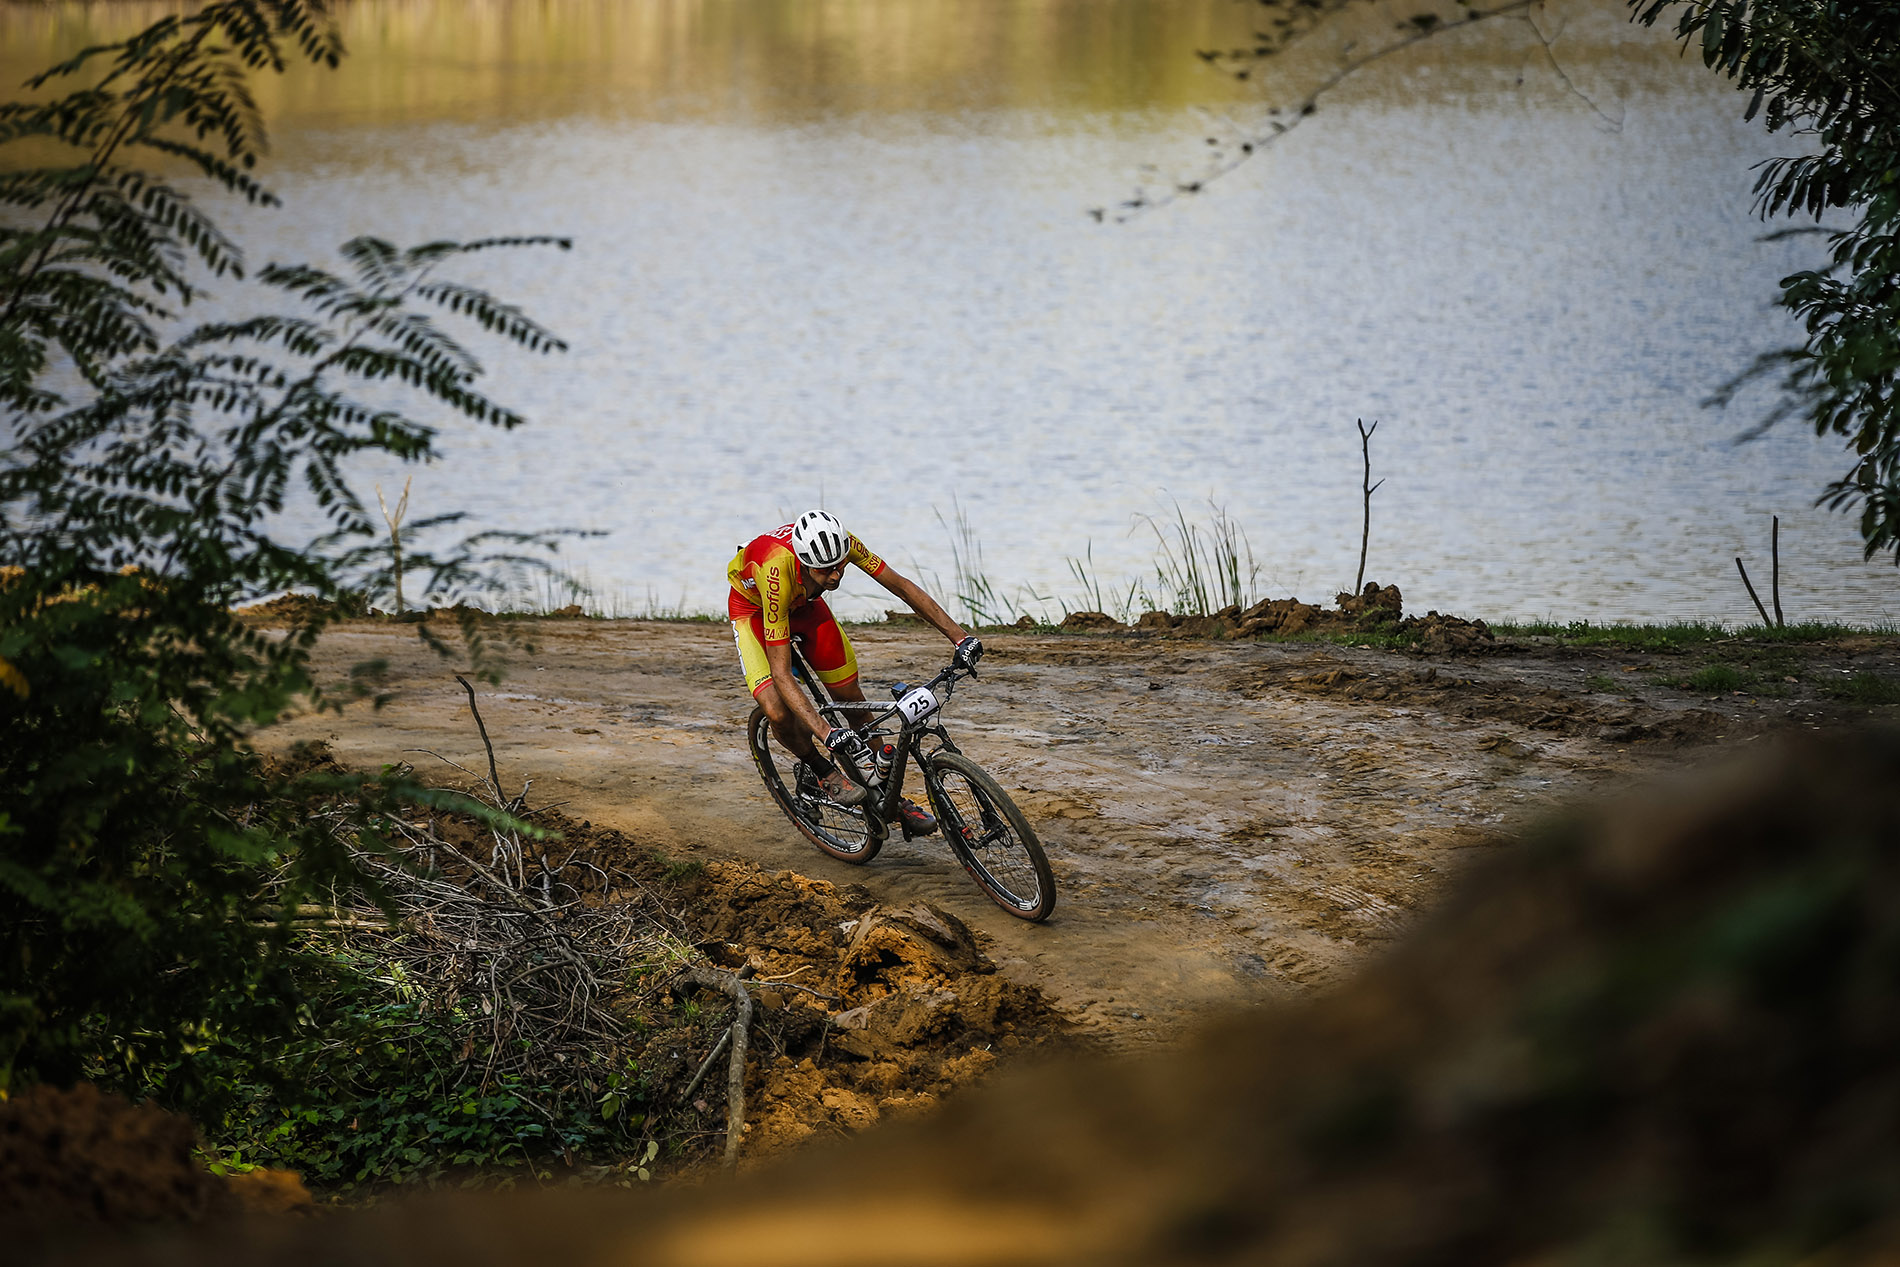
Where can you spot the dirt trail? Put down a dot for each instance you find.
(1227, 820)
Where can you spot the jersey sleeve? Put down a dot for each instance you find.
(862, 556)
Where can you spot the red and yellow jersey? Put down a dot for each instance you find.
(767, 578)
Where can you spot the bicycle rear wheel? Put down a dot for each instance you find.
(990, 836)
(840, 831)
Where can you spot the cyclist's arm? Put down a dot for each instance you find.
(921, 603)
(778, 657)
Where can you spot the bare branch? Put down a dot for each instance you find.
(713, 978)
(494, 779)
(1550, 53)
(1232, 157)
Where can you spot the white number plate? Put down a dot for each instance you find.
(918, 704)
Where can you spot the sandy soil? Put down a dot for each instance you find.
(1227, 820)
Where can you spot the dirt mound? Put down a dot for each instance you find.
(864, 1012)
(289, 610)
(1379, 608)
(88, 1159)
(87, 1156)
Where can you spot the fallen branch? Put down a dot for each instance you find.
(724, 1038)
(494, 778)
(1365, 531)
(714, 979)
(769, 983)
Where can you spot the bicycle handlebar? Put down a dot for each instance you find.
(946, 680)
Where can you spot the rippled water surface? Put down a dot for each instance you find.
(841, 251)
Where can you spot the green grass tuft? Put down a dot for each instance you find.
(1717, 677)
(1368, 639)
(1202, 568)
(679, 868)
(1865, 688)
(1678, 635)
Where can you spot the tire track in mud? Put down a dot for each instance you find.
(1227, 821)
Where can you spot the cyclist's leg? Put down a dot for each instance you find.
(828, 650)
(836, 664)
(748, 633)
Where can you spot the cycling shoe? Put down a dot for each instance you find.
(840, 788)
(917, 820)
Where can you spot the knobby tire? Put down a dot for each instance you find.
(823, 821)
(990, 836)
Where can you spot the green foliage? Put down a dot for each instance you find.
(1865, 688)
(1199, 568)
(1202, 568)
(984, 605)
(1675, 635)
(373, 1087)
(143, 470)
(1716, 677)
(1121, 603)
(1387, 639)
(1830, 72)
(681, 869)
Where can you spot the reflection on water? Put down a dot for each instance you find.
(779, 60)
(838, 250)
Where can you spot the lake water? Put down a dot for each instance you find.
(840, 251)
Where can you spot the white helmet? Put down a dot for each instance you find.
(819, 540)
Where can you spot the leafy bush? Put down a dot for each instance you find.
(136, 496)
(1827, 72)
(397, 1108)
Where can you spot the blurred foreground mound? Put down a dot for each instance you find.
(1667, 1032)
(83, 1156)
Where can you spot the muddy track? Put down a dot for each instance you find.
(1226, 820)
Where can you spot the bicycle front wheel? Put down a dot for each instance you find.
(842, 832)
(990, 836)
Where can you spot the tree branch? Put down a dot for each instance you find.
(1231, 159)
(714, 979)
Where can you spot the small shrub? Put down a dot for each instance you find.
(1716, 677)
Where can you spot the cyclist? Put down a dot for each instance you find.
(779, 581)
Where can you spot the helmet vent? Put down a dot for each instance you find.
(819, 540)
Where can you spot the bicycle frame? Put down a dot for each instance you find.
(888, 789)
(976, 818)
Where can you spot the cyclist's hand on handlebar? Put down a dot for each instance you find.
(969, 651)
(847, 743)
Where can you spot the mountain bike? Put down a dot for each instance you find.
(985, 830)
